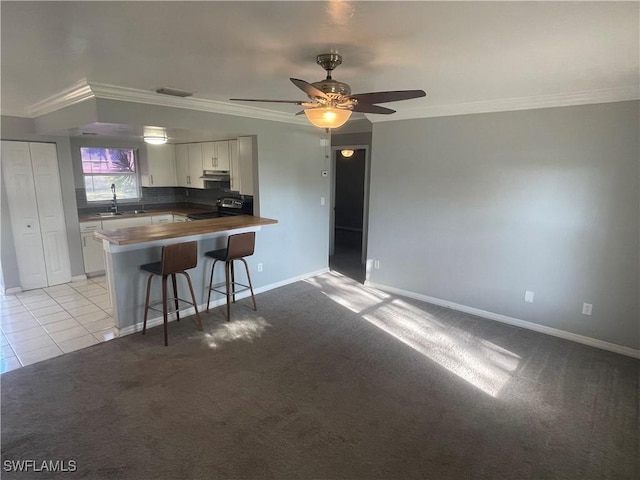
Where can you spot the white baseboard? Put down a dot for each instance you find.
(152, 322)
(78, 278)
(13, 290)
(593, 342)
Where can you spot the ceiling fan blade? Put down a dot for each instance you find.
(296, 102)
(309, 89)
(301, 112)
(384, 97)
(365, 108)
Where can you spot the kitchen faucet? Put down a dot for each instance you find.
(114, 202)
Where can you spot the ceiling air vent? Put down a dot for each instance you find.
(173, 92)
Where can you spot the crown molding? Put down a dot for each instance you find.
(84, 90)
(608, 95)
(77, 93)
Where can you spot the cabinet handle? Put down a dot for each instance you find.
(84, 241)
(188, 179)
(151, 179)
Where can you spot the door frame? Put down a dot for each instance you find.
(365, 207)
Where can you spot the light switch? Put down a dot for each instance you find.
(322, 202)
(528, 296)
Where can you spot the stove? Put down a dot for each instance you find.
(227, 207)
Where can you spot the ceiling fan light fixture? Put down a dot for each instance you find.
(347, 153)
(155, 139)
(327, 117)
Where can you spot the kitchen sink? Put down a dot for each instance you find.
(108, 214)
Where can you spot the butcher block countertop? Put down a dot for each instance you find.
(150, 233)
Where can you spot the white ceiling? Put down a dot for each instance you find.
(467, 56)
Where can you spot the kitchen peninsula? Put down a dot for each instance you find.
(128, 248)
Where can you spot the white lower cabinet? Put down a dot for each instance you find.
(126, 222)
(92, 251)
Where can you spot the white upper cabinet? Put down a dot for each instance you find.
(195, 165)
(216, 155)
(236, 182)
(160, 168)
(243, 172)
(189, 165)
(182, 165)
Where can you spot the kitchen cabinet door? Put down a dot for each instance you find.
(216, 155)
(195, 165)
(223, 155)
(182, 165)
(92, 254)
(92, 250)
(160, 168)
(236, 180)
(245, 165)
(110, 224)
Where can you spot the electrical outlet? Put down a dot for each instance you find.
(259, 267)
(586, 308)
(528, 296)
(322, 201)
(376, 264)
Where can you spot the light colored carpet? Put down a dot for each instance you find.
(329, 380)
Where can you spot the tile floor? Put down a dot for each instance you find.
(44, 323)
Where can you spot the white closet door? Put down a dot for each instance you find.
(21, 196)
(46, 177)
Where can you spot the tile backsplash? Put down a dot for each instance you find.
(156, 198)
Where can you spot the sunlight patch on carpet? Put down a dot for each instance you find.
(247, 330)
(477, 361)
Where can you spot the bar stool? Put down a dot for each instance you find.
(175, 259)
(239, 245)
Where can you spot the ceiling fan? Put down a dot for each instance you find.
(331, 103)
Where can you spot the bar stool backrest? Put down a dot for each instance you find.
(241, 245)
(179, 257)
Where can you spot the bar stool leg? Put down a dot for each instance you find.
(211, 283)
(253, 297)
(146, 304)
(164, 309)
(175, 296)
(227, 273)
(193, 299)
(233, 281)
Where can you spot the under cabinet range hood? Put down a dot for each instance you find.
(216, 176)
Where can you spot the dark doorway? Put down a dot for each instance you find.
(348, 214)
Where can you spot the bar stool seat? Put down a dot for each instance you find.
(176, 259)
(239, 245)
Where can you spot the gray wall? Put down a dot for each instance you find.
(290, 160)
(495, 204)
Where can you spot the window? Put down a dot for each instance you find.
(103, 167)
